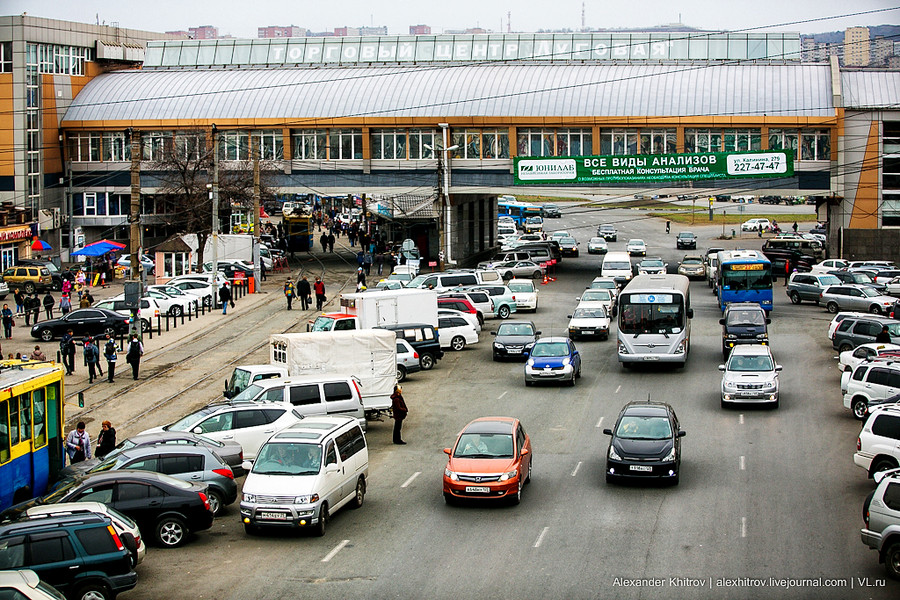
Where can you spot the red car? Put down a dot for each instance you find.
(490, 461)
(462, 305)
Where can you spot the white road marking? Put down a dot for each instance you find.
(743, 527)
(600, 422)
(503, 394)
(337, 549)
(411, 477)
(743, 464)
(618, 388)
(537, 542)
(578, 466)
(742, 419)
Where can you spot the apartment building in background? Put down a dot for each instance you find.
(856, 47)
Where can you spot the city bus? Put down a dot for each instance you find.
(519, 211)
(744, 276)
(32, 427)
(654, 318)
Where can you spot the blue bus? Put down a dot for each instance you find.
(519, 211)
(744, 276)
(31, 429)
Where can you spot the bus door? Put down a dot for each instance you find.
(54, 429)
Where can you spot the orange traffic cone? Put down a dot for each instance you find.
(544, 282)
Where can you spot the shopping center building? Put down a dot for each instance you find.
(429, 127)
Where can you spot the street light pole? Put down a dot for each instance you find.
(214, 196)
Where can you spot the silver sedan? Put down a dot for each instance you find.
(519, 269)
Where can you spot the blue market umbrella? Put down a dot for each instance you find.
(98, 249)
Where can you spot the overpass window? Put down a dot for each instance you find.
(784, 139)
(389, 144)
(573, 142)
(742, 140)
(702, 140)
(190, 146)
(815, 144)
(535, 142)
(84, 146)
(115, 148)
(155, 144)
(619, 141)
(234, 145)
(345, 144)
(481, 143)
(310, 144)
(657, 141)
(270, 144)
(421, 144)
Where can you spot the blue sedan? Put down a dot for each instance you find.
(553, 359)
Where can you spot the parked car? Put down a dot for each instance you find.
(305, 474)
(31, 279)
(480, 300)
(456, 333)
(878, 444)
(645, 443)
(750, 375)
(836, 321)
(83, 322)
(147, 263)
(504, 301)
(636, 247)
(553, 359)
(80, 555)
(608, 232)
(855, 297)
(590, 322)
(168, 507)
(809, 286)
(686, 240)
(692, 267)
(597, 245)
(57, 276)
(881, 514)
(469, 318)
(424, 338)
(831, 264)
(462, 305)
(187, 298)
(407, 360)
(525, 293)
(874, 382)
(514, 339)
(519, 268)
(147, 313)
(756, 225)
(388, 284)
(24, 584)
(862, 328)
(859, 278)
(491, 460)
(850, 359)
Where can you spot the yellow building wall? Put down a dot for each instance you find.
(865, 204)
(7, 156)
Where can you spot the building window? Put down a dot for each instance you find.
(5, 57)
(890, 179)
(573, 142)
(59, 60)
(310, 144)
(190, 145)
(481, 143)
(388, 144)
(234, 145)
(702, 140)
(90, 204)
(155, 144)
(619, 141)
(658, 141)
(535, 142)
(345, 144)
(421, 144)
(270, 144)
(84, 146)
(742, 140)
(116, 148)
(815, 144)
(784, 139)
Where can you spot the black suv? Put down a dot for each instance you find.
(744, 323)
(686, 240)
(80, 555)
(607, 232)
(550, 211)
(424, 340)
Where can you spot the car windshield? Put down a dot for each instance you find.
(746, 317)
(596, 240)
(635, 242)
(288, 459)
(417, 281)
(685, 234)
(869, 292)
(651, 313)
(600, 295)
(644, 428)
(589, 313)
(485, 445)
(515, 329)
(606, 228)
(526, 287)
(692, 262)
(761, 362)
(109, 463)
(323, 324)
(240, 379)
(185, 422)
(829, 280)
(603, 285)
(651, 263)
(249, 393)
(534, 220)
(550, 349)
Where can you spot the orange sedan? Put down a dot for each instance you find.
(491, 460)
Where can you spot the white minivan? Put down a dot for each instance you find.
(306, 473)
(618, 266)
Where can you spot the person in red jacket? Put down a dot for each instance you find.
(319, 289)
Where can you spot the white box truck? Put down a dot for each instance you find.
(366, 310)
(370, 355)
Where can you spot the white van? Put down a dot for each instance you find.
(618, 266)
(310, 395)
(304, 474)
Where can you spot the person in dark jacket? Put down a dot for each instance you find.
(91, 358)
(110, 352)
(7, 322)
(399, 412)
(67, 351)
(225, 297)
(884, 337)
(49, 302)
(134, 354)
(305, 292)
(106, 441)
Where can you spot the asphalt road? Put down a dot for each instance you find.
(765, 495)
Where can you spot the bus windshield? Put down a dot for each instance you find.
(652, 313)
(759, 278)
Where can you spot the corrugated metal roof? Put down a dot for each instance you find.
(457, 91)
(870, 89)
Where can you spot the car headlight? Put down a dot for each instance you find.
(622, 348)
(769, 385)
(670, 456)
(251, 498)
(452, 475)
(509, 475)
(613, 454)
(762, 336)
(730, 336)
(679, 349)
(498, 345)
(530, 362)
(566, 361)
(308, 499)
(729, 386)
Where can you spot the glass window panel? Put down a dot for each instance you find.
(4, 432)
(458, 138)
(473, 145)
(400, 146)
(40, 411)
(207, 53)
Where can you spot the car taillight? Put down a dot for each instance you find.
(226, 472)
(416, 355)
(514, 298)
(112, 532)
(205, 500)
(356, 385)
(858, 445)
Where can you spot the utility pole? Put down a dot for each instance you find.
(215, 216)
(257, 270)
(137, 269)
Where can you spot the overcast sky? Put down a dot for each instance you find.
(241, 18)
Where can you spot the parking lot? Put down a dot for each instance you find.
(767, 497)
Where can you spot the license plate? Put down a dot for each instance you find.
(513, 351)
(546, 373)
(587, 332)
(273, 516)
(642, 468)
(651, 358)
(472, 489)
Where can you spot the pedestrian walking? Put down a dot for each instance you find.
(65, 305)
(49, 302)
(78, 444)
(27, 309)
(289, 292)
(134, 354)
(305, 293)
(367, 262)
(787, 271)
(794, 227)
(20, 301)
(106, 441)
(8, 322)
(319, 289)
(110, 352)
(262, 269)
(91, 359)
(84, 302)
(360, 277)
(67, 286)
(324, 241)
(331, 242)
(225, 297)
(668, 226)
(399, 412)
(379, 262)
(67, 350)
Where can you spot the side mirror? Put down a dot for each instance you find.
(607, 431)
(577, 298)
(447, 451)
(524, 451)
(681, 433)
(690, 313)
(246, 465)
(568, 316)
(537, 333)
(778, 368)
(494, 333)
(721, 367)
(197, 430)
(721, 321)
(768, 321)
